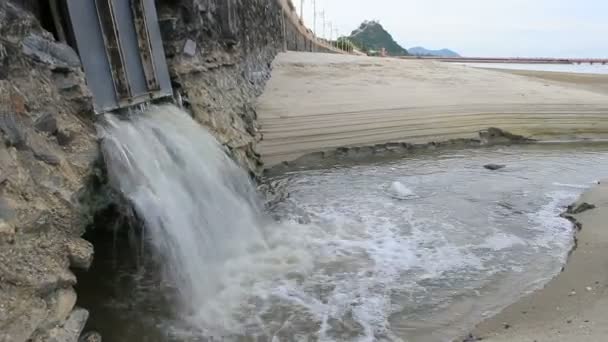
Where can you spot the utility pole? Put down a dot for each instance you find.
(314, 20)
(323, 18)
(337, 38)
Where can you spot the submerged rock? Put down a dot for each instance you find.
(91, 336)
(494, 167)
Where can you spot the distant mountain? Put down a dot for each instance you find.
(420, 51)
(372, 36)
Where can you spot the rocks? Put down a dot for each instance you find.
(579, 208)
(64, 136)
(56, 56)
(190, 48)
(494, 167)
(472, 338)
(7, 232)
(492, 136)
(80, 253)
(70, 331)
(59, 306)
(46, 123)
(15, 132)
(21, 313)
(91, 336)
(66, 81)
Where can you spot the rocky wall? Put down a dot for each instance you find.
(219, 54)
(47, 154)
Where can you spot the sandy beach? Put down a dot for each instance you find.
(316, 102)
(574, 305)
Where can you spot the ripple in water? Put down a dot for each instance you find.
(348, 260)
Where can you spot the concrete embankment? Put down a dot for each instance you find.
(316, 102)
(574, 305)
(297, 37)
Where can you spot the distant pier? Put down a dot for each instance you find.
(519, 60)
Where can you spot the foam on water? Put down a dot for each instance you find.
(399, 190)
(575, 186)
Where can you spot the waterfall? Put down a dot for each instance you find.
(199, 208)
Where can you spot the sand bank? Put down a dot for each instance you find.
(574, 305)
(316, 102)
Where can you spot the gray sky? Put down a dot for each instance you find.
(534, 28)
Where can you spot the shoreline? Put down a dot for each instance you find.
(597, 83)
(573, 306)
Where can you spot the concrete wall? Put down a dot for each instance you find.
(297, 37)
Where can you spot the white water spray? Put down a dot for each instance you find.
(197, 204)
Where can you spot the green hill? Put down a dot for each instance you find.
(372, 36)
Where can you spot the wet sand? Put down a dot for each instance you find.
(592, 82)
(316, 102)
(574, 305)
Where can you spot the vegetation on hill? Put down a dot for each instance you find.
(371, 36)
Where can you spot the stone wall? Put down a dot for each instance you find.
(220, 66)
(47, 153)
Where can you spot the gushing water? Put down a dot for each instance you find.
(197, 204)
(413, 249)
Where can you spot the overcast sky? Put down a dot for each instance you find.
(541, 28)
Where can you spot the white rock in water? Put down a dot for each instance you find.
(400, 190)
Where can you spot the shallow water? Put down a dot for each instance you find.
(350, 261)
(587, 68)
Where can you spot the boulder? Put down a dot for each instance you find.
(80, 253)
(91, 336)
(46, 123)
(494, 167)
(580, 208)
(56, 56)
(59, 305)
(70, 331)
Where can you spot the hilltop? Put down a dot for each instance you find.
(420, 51)
(372, 36)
